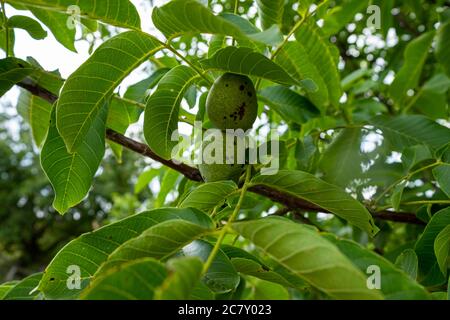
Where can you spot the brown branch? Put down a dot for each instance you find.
(405, 217)
(293, 202)
(38, 91)
(287, 200)
(189, 172)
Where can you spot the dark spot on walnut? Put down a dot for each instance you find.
(242, 87)
(249, 94)
(241, 111)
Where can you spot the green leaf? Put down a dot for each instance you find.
(39, 112)
(167, 184)
(341, 160)
(306, 153)
(133, 280)
(387, 20)
(395, 284)
(184, 275)
(304, 6)
(5, 287)
(28, 24)
(247, 62)
(322, 55)
(11, 39)
(408, 262)
(270, 12)
(443, 45)
(138, 91)
(397, 194)
(414, 155)
(439, 295)
(35, 109)
(221, 276)
(120, 13)
(341, 15)
(200, 116)
(442, 249)
(431, 99)
(25, 289)
(442, 176)
(216, 43)
(201, 292)
(306, 254)
(410, 130)
(57, 23)
(50, 81)
(71, 174)
(12, 71)
(330, 197)
(90, 86)
(270, 37)
(353, 78)
(90, 250)
(265, 290)
(408, 76)
(288, 104)
(180, 17)
(294, 58)
(121, 113)
(429, 273)
(209, 195)
(191, 96)
(256, 269)
(159, 241)
(144, 179)
(162, 109)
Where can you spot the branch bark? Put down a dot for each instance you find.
(193, 173)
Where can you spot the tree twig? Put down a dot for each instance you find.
(192, 173)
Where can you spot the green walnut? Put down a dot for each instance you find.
(216, 168)
(219, 172)
(232, 102)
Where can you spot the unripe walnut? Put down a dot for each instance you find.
(222, 159)
(232, 102)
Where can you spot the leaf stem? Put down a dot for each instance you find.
(233, 216)
(406, 177)
(410, 203)
(412, 101)
(192, 65)
(236, 5)
(286, 40)
(5, 25)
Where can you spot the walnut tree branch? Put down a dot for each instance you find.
(192, 173)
